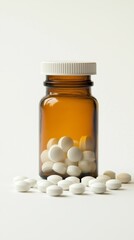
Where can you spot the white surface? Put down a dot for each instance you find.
(32, 31)
(36, 215)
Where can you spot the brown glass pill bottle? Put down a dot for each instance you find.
(68, 111)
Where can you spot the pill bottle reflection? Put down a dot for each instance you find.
(68, 136)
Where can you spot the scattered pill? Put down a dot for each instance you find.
(103, 178)
(124, 177)
(86, 143)
(89, 156)
(22, 186)
(54, 179)
(113, 184)
(73, 171)
(74, 154)
(31, 181)
(42, 186)
(59, 167)
(56, 154)
(98, 188)
(51, 142)
(19, 178)
(77, 188)
(92, 181)
(109, 173)
(64, 184)
(54, 190)
(86, 179)
(65, 143)
(73, 179)
(47, 167)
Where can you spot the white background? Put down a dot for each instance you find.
(32, 31)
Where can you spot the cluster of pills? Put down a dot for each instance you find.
(67, 157)
(54, 185)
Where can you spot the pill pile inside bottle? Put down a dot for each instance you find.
(68, 157)
(55, 185)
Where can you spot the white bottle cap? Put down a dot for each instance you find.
(68, 68)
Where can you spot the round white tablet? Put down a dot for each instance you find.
(64, 184)
(68, 162)
(44, 156)
(42, 186)
(124, 177)
(77, 188)
(113, 184)
(47, 167)
(73, 171)
(73, 179)
(59, 167)
(19, 178)
(92, 181)
(74, 154)
(22, 186)
(54, 179)
(52, 141)
(56, 154)
(86, 143)
(98, 188)
(85, 166)
(65, 143)
(86, 179)
(54, 190)
(103, 178)
(31, 181)
(89, 156)
(109, 173)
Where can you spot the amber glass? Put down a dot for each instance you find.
(68, 109)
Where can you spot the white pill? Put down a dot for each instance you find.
(59, 167)
(109, 173)
(87, 166)
(86, 143)
(56, 154)
(47, 167)
(44, 156)
(54, 190)
(124, 177)
(86, 179)
(68, 162)
(42, 186)
(73, 171)
(22, 186)
(64, 184)
(52, 141)
(54, 179)
(113, 184)
(77, 188)
(84, 165)
(73, 179)
(74, 154)
(65, 143)
(92, 181)
(98, 188)
(31, 181)
(89, 156)
(103, 178)
(19, 178)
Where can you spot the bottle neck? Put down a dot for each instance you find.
(69, 85)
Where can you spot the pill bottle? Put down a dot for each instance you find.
(68, 121)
